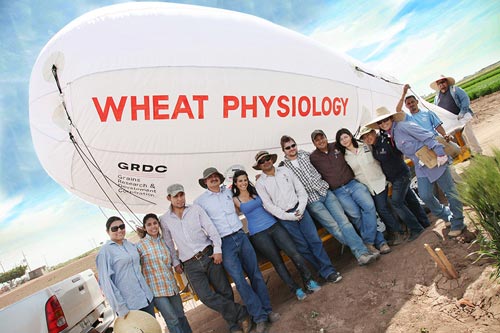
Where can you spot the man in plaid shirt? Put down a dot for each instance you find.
(322, 204)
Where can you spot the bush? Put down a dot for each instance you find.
(13, 273)
(481, 191)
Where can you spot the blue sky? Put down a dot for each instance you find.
(415, 41)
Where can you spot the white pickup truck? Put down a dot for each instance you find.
(75, 305)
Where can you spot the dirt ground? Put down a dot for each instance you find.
(404, 291)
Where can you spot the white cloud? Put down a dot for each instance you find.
(7, 205)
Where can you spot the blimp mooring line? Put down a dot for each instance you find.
(89, 159)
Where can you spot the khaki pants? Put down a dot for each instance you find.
(471, 140)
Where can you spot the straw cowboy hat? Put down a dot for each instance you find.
(207, 173)
(434, 85)
(136, 322)
(364, 130)
(262, 154)
(383, 113)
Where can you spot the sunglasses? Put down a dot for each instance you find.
(442, 81)
(291, 146)
(383, 121)
(264, 159)
(116, 227)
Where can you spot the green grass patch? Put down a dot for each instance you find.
(480, 190)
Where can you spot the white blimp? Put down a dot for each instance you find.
(128, 99)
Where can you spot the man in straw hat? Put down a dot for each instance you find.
(199, 247)
(238, 253)
(455, 100)
(322, 203)
(353, 196)
(403, 200)
(284, 196)
(410, 139)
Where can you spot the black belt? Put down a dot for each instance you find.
(232, 233)
(293, 209)
(200, 254)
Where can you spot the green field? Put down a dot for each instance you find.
(484, 82)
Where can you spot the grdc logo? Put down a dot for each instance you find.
(142, 167)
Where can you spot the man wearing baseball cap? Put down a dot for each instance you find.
(199, 246)
(238, 253)
(455, 100)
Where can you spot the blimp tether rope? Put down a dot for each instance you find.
(92, 160)
(78, 149)
(376, 76)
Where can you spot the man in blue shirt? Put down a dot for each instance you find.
(455, 100)
(427, 119)
(238, 254)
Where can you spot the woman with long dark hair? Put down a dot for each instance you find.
(368, 172)
(268, 236)
(156, 263)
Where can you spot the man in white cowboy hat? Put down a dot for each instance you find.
(238, 254)
(284, 196)
(199, 250)
(322, 204)
(455, 100)
(410, 139)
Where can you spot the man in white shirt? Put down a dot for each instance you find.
(284, 196)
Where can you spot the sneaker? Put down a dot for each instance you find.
(273, 317)
(334, 277)
(455, 233)
(312, 285)
(366, 259)
(384, 249)
(372, 249)
(261, 327)
(301, 295)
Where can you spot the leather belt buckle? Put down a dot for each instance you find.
(198, 255)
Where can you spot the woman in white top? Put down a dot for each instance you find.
(367, 170)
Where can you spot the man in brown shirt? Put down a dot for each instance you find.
(353, 196)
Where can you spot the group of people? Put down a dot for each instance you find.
(342, 185)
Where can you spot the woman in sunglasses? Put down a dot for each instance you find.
(119, 271)
(268, 236)
(156, 263)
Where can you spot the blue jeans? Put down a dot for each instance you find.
(209, 282)
(414, 204)
(275, 238)
(358, 205)
(453, 213)
(306, 238)
(329, 212)
(385, 212)
(238, 258)
(149, 309)
(401, 194)
(172, 312)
